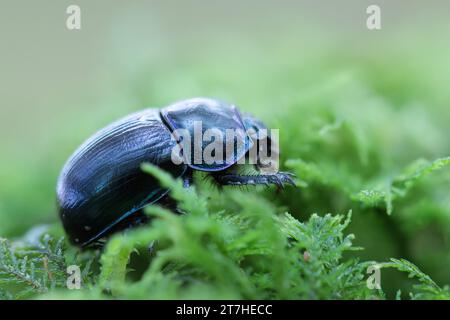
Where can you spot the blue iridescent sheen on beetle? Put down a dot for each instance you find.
(102, 189)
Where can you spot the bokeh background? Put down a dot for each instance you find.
(362, 104)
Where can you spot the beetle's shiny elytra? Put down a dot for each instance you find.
(102, 188)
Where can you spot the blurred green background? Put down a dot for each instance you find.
(360, 104)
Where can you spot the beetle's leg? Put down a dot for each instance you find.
(278, 179)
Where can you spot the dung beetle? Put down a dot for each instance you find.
(102, 189)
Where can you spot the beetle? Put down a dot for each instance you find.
(102, 189)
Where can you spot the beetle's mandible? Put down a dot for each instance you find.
(102, 189)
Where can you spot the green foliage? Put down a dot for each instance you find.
(382, 193)
(400, 184)
(324, 274)
(26, 271)
(251, 252)
(427, 289)
(31, 269)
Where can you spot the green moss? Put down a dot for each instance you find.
(251, 252)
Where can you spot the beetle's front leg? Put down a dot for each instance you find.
(278, 179)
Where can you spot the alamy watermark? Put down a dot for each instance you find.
(373, 282)
(373, 21)
(73, 281)
(73, 21)
(226, 147)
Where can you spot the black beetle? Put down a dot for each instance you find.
(102, 189)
